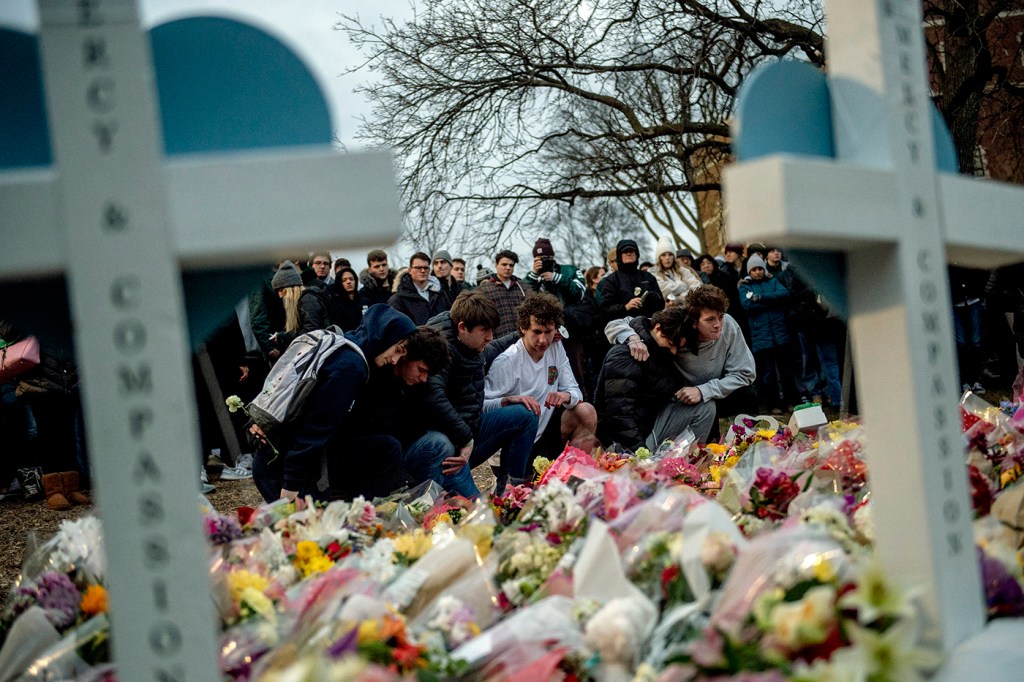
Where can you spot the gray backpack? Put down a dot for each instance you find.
(293, 377)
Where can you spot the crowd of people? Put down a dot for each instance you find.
(443, 374)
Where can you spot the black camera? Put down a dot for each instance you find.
(547, 264)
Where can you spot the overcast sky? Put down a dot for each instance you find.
(305, 26)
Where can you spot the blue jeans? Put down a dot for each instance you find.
(510, 429)
(828, 357)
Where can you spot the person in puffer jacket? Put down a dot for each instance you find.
(635, 399)
(766, 299)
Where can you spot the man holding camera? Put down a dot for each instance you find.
(564, 282)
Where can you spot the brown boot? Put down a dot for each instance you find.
(53, 488)
(71, 490)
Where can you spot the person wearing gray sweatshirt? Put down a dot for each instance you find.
(719, 368)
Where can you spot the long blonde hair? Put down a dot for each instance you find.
(291, 308)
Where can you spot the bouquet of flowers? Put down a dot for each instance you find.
(817, 616)
(508, 504)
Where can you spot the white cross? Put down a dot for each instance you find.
(897, 220)
(122, 221)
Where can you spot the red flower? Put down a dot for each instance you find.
(337, 551)
(981, 492)
(408, 656)
(668, 576)
(245, 515)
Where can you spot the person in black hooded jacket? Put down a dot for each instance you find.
(629, 290)
(346, 302)
(369, 465)
(632, 395)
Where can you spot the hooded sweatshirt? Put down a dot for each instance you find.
(343, 374)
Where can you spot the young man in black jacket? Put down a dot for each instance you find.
(457, 434)
(419, 293)
(633, 395)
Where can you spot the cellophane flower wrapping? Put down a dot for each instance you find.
(746, 559)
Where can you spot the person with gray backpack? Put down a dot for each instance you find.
(300, 419)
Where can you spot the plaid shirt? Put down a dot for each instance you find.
(507, 299)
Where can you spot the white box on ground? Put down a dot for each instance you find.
(807, 418)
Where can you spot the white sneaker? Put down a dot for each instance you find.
(244, 461)
(204, 483)
(235, 473)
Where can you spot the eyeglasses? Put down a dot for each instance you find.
(420, 267)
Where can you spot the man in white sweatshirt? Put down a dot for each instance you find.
(535, 373)
(720, 368)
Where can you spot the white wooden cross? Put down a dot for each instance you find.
(122, 221)
(882, 202)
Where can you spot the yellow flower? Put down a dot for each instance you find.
(258, 602)
(306, 550)
(541, 465)
(1009, 476)
(443, 518)
(808, 621)
(413, 545)
(240, 581)
(481, 535)
(94, 601)
(823, 570)
(717, 448)
(369, 631)
(767, 434)
(320, 564)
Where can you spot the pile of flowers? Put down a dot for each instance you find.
(746, 559)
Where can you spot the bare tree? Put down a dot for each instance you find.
(500, 110)
(509, 114)
(977, 64)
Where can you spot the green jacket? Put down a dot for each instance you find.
(567, 285)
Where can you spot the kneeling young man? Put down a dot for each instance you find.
(457, 434)
(636, 399)
(719, 368)
(535, 373)
(323, 427)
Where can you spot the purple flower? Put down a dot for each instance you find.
(1002, 591)
(345, 645)
(59, 597)
(221, 529)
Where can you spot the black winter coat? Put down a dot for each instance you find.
(630, 394)
(346, 312)
(372, 290)
(618, 288)
(407, 300)
(450, 289)
(314, 313)
(452, 400)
